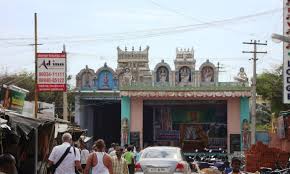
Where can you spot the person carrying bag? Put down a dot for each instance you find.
(52, 168)
(64, 158)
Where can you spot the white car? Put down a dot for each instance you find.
(162, 159)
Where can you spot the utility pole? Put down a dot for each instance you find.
(219, 66)
(65, 105)
(35, 54)
(253, 108)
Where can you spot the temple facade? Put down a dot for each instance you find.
(183, 106)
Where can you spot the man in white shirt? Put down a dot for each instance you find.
(72, 159)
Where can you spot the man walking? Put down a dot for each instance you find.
(99, 161)
(129, 157)
(119, 164)
(236, 166)
(112, 148)
(69, 156)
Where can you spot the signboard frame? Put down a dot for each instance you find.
(51, 72)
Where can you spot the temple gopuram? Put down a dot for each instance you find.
(182, 106)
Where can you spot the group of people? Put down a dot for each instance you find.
(68, 159)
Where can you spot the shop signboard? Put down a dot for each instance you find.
(14, 98)
(51, 72)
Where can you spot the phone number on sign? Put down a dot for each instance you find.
(50, 80)
(51, 74)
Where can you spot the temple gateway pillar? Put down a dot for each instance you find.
(245, 123)
(136, 126)
(125, 120)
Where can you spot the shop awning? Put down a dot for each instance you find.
(24, 125)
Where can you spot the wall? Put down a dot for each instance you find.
(137, 117)
(233, 118)
(276, 142)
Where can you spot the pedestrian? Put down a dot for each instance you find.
(99, 161)
(7, 164)
(112, 148)
(227, 169)
(84, 154)
(65, 157)
(129, 157)
(113, 152)
(236, 166)
(119, 163)
(93, 149)
(277, 166)
(137, 154)
(126, 147)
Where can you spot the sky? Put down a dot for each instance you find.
(91, 31)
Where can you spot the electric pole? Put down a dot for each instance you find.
(65, 105)
(35, 62)
(253, 107)
(219, 67)
(35, 54)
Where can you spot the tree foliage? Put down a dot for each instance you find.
(270, 86)
(26, 80)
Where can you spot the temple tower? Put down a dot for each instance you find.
(184, 67)
(133, 66)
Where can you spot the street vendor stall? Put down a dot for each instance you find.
(27, 140)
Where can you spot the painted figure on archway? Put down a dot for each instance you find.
(207, 74)
(245, 134)
(106, 80)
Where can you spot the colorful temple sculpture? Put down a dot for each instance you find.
(185, 106)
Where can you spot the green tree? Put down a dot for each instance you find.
(270, 86)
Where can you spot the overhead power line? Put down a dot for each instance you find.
(193, 18)
(146, 33)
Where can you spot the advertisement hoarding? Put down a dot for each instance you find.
(286, 52)
(14, 98)
(51, 72)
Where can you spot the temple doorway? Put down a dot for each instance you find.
(106, 121)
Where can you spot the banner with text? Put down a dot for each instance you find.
(51, 72)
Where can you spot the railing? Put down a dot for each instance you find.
(217, 142)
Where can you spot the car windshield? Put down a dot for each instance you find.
(161, 153)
